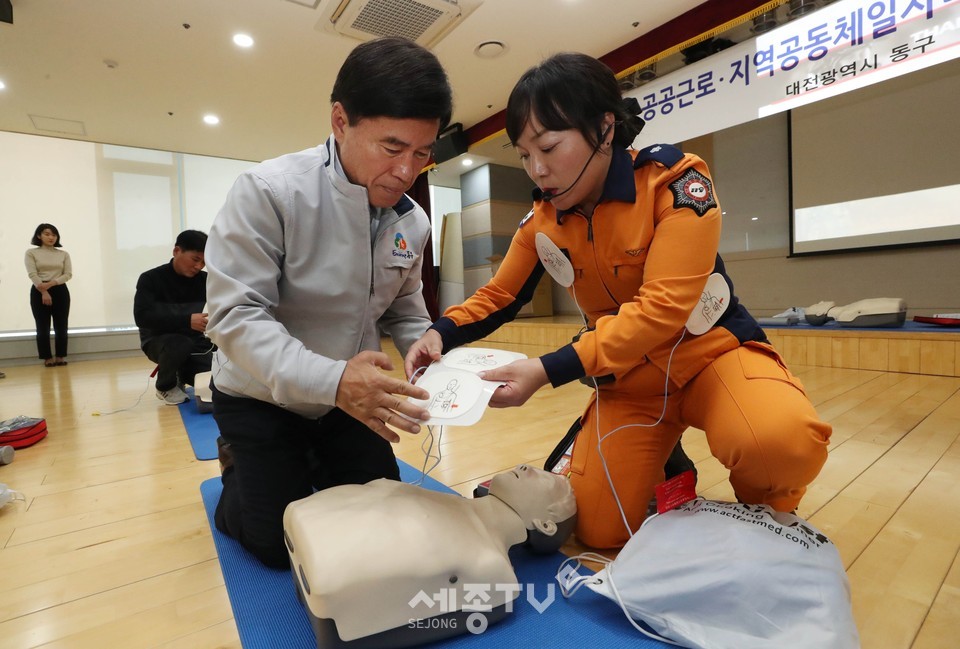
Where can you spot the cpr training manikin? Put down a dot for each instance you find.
(374, 564)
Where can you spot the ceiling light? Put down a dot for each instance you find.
(242, 40)
(2, 85)
(764, 22)
(755, 218)
(211, 119)
(467, 162)
(800, 7)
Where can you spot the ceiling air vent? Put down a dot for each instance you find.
(423, 21)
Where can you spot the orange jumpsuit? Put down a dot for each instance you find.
(641, 261)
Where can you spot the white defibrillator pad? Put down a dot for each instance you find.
(714, 301)
(554, 261)
(458, 396)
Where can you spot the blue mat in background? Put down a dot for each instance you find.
(269, 615)
(202, 430)
(833, 325)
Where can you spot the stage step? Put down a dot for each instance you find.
(929, 351)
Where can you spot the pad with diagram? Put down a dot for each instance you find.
(458, 396)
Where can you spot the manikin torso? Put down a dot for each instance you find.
(374, 557)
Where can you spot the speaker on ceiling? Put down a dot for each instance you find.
(450, 143)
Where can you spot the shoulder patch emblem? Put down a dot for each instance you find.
(524, 220)
(693, 190)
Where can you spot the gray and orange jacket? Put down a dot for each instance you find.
(640, 261)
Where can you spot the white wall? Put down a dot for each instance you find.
(118, 210)
(49, 180)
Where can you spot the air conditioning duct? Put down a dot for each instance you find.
(422, 21)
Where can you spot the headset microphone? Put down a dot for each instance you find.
(549, 196)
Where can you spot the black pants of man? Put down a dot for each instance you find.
(279, 457)
(180, 358)
(59, 311)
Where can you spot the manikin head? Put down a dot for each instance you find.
(544, 502)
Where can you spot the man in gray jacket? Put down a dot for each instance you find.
(312, 255)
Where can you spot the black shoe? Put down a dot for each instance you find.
(224, 454)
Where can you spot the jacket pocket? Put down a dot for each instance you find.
(628, 266)
(761, 361)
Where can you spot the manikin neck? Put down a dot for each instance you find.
(500, 519)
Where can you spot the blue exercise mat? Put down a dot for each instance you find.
(833, 325)
(269, 615)
(202, 430)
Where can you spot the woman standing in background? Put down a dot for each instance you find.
(49, 269)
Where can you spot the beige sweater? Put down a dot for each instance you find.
(46, 264)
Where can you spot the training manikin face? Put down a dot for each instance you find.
(538, 497)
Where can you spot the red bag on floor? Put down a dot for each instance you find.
(21, 432)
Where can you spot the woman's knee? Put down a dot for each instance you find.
(792, 451)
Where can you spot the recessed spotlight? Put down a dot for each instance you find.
(242, 40)
(211, 119)
(2, 85)
(467, 162)
(755, 218)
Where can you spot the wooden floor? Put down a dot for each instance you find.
(112, 547)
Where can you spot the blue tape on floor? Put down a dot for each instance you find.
(202, 430)
(269, 616)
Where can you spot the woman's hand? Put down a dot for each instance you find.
(423, 352)
(520, 380)
(47, 300)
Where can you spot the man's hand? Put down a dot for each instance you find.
(371, 397)
(423, 352)
(198, 322)
(45, 297)
(520, 380)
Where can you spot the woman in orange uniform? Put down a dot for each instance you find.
(637, 233)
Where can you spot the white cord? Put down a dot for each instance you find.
(600, 438)
(209, 351)
(564, 573)
(428, 452)
(136, 403)
(623, 607)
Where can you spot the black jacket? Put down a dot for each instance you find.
(165, 301)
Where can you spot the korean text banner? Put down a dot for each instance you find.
(843, 46)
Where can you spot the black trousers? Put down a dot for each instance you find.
(279, 457)
(59, 311)
(180, 358)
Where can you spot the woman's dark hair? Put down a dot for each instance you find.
(572, 91)
(393, 77)
(35, 241)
